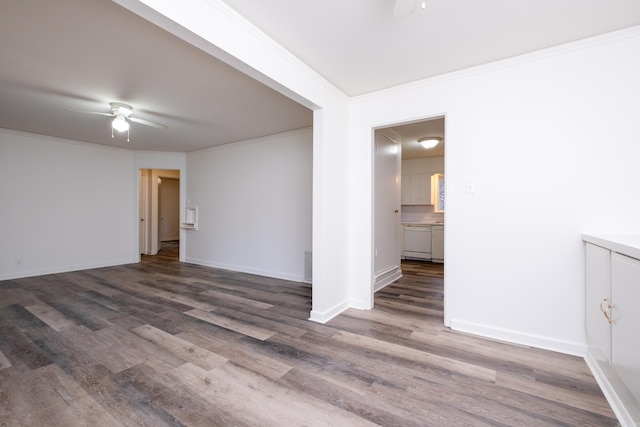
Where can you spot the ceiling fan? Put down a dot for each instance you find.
(121, 114)
(404, 8)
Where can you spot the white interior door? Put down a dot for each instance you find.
(142, 213)
(169, 209)
(386, 207)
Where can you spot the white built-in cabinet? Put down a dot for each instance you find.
(612, 321)
(416, 189)
(598, 302)
(625, 317)
(437, 243)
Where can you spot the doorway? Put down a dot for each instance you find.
(413, 189)
(159, 210)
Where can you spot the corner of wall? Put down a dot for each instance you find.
(325, 316)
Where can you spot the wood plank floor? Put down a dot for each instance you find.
(162, 343)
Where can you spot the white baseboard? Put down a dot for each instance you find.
(387, 277)
(246, 269)
(517, 337)
(62, 269)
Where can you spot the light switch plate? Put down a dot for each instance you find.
(470, 187)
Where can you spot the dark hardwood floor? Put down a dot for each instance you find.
(166, 343)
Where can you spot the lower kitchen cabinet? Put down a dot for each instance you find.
(598, 294)
(625, 317)
(612, 318)
(437, 243)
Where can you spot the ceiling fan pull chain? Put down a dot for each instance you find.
(128, 130)
(111, 131)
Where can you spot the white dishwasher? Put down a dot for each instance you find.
(417, 241)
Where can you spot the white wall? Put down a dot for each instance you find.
(254, 205)
(551, 141)
(65, 205)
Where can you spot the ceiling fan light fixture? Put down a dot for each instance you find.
(429, 141)
(404, 8)
(120, 124)
(120, 109)
(125, 111)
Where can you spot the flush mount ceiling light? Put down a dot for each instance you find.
(429, 141)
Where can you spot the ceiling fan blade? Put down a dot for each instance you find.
(91, 112)
(148, 123)
(404, 8)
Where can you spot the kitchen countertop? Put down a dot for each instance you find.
(422, 222)
(624, 244)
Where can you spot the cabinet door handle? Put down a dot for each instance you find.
(605, 310)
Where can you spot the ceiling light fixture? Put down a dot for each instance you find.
(429, 141)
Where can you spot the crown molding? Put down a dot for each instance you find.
(567, 48)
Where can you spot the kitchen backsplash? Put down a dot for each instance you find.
(419, 213)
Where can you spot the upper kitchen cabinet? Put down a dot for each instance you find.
(416, 189)
(416, 185)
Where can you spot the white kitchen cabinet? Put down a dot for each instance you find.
(625, 315)
(598, 294)
(437, 243)
(416, 189)
(612, 318)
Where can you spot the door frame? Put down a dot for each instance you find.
(152, 218)
(447, 150)
(143, 213)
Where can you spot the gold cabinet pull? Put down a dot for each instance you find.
(605, 310)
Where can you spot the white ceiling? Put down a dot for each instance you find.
(83, 54)
(360, 47)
